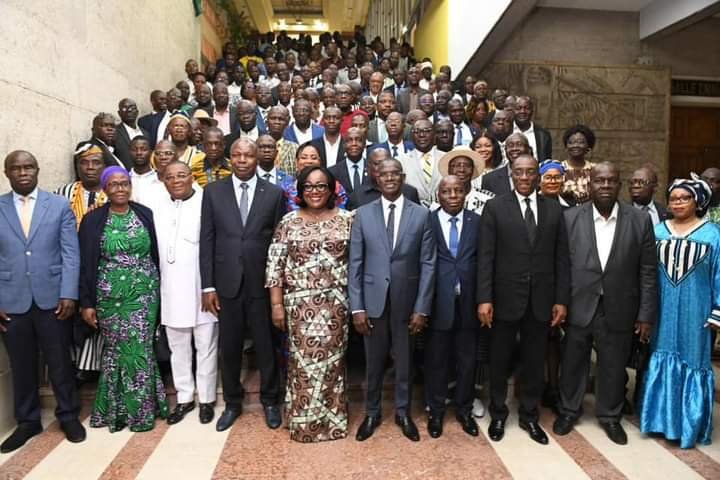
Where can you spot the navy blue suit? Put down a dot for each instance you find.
(386, 145)
(289, 134)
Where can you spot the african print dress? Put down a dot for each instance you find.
(679, 384)
(309, 261)
(130, 390)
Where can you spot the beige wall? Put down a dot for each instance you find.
(62, 62)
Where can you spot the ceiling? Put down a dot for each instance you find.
(611, 5)
(311, 16)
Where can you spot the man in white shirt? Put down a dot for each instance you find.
(421, 165)
(127, 129)
(267, 152)
(142, 176)
(463, 134)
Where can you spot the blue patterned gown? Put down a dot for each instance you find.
(679, 384)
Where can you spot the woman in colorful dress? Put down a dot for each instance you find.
(679, 383)
(307, 277)
(119, 296)
(579, 142)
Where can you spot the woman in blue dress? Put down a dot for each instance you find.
(679, 384)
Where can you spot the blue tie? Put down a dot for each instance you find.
(458, 137)
(453, 236)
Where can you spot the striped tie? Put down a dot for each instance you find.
(427, 167)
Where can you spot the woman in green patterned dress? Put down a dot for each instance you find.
(119, 290)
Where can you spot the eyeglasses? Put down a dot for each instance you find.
(118, 185)
(553, 178)
(179, 176)
(423, 131)
(390, 175)
(681, 200)
(318, 187)
(637, 182)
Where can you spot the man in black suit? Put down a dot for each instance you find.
(452, 333)
(523, 287)
(239, 215)
(641, 188)
(351, 172)
(409, 97)
(331, 143)
(151, 122)
(499, 181)
(539, 138)
(369, 190)
(126, 130)
(103, 135)
(614, 284)
(245, 125)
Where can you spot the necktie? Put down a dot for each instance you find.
(356, 176)
(458, 135)
(453, 243)
(646, 208)
(395, 154)
(267, 177)
(244, 202)
(391, 226)
(530, 221)
(427, 167)
(91, 199)
(264, 114)
(25, 215)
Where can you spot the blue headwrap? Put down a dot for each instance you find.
(109, 172)
(551, 165)
(695, 186)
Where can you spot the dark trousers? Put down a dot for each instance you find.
(445, 351)
(389, 331)
(533, 342)
(239, 317)
(613, 349)
(25, 333)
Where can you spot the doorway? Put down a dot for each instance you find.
(694, 140)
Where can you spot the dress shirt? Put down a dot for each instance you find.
(351, 169)
(19, 202)
(398, 213)
(303, 136)
(331, 151)
(132, 132)
(651, 210)
(223, 119)
(162, 126)
(466, 134)
(252, 184)
(381, 130)
(530, 135)
(251, 134)
(604, 233)
(444, 218)
(400, 148)
(142, 184)
(264, 113)
(273, 174)
(533, 205)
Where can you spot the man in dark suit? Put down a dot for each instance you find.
(39, 278)
(409, 98)
(160, 116)
(499, 181)
(370, 191)
(126, 130)
(539, 138)
(452, 333)
(351, 172)
(239, 215)
(395, 144)
(642, 187)
(103, 135)
(302, 129)
(523, 287)
(246, 125)
(614, 284)
(330, 145)
(390, 284)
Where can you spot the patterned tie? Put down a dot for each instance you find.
(427, 167)
(395, 154)
(453, 243)
(391, 226)
(25, 215)
(356, 176)
(530, 221)
(91, 199)
(458, 136)
(244, 202)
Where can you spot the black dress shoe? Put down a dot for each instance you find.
(563, 425)
(367, 428)
(469, 425)
(408, 427)
(19, 437)
(74, 431)
(228, 417)
(207, 412)
(435, 426)
(535, 431)
(273, 418)
(496, 430)
(615, 432)
(181, 409)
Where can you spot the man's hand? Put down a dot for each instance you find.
(65, 309)
(643, 330)
(485, 314)
(362, 323)
(417, 323)
(559, 312)
(3, 318)
(277, 313)
(89, 315)
(211, 303)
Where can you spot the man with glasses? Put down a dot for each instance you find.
(641, 188)
(126, 130)
(421, 165)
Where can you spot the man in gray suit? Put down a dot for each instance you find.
(391, 279)
(39, 278)
(614, 291)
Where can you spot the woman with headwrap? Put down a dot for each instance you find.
(119, 296)
(679, 384)
(552, 177)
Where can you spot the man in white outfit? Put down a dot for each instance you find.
(177, 222)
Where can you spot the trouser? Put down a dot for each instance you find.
(181, 361)
(25, 333)
(239, 317)
(389, 331)
(613, 349)
(531, 378)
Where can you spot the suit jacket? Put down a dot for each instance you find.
(122, 144)
(449, 270)
(628, 284)
(512, 272)
(151, 123)
(280, 176)
(289, 134)
(319, 144)
(662, 211)
(386, 145)
(340, 171)
(543, 142)
(405, 273)
(497, 181)
(403, 99)
(412, 164)
(259, 121)
(230, 139)
(90, 233)
(44, 267)
(233, 255)
(369, 192)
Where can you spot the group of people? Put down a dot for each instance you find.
(302, 198)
